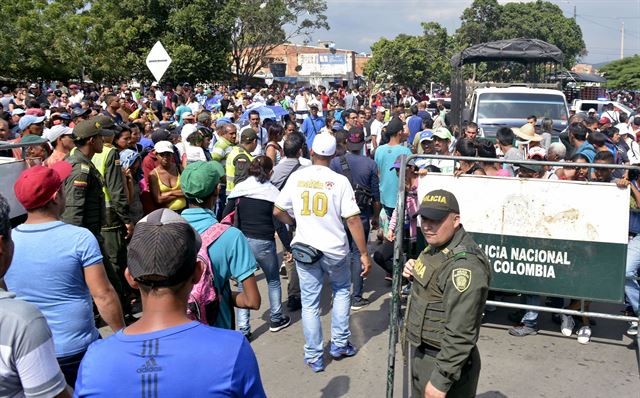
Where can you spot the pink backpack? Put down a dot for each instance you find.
(204, 300)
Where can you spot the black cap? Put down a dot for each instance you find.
(355, 139)
(163, 250)
(437, 204)
(394, 126)
(160, 135)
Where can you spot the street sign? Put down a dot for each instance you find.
(548, 237)
(268, 79)
(158, 61)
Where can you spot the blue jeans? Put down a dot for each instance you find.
(311, 280)
(265, 253)
(530, 318)
(631, 287)
(356, 263)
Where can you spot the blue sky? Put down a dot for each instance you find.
(356, 24)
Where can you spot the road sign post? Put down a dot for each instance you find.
(158, 61)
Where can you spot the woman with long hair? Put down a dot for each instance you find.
(466, 147)
(253, 200)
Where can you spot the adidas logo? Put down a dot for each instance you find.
(150, 366)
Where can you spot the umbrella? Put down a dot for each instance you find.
(278, 110)
(264, 111)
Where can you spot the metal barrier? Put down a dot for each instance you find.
(399, 260)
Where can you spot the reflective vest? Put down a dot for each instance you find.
(100, 161)
(237, 154)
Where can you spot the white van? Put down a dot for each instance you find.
(492, 108)
(583, 106)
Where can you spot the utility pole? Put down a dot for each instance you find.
(622, 41)
(574, 12)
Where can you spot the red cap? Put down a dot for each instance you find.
(604, 120)
(36, 185)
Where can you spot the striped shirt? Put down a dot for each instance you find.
(28, 366)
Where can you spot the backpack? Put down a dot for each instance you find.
(364, 198)
(204, 300)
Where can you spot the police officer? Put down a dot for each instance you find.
(84, 197)
(117, 227)
(450, 283)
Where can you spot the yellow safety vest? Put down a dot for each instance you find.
(100, 161)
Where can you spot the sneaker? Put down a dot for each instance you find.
(584, 335)
(358, 304)
(347, 351)
(633, 328)
(281, 324)
(317, 366)
(522, 330)
(567, 325)
(283, 271)
(294, 304)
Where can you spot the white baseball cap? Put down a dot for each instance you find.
(324, 145)
(381, 109)
(592, 110)
(163, 147)
(56, 132)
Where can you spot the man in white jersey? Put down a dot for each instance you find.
(319, 200)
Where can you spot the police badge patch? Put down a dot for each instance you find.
(461, 278)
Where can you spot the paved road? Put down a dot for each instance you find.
(546, 365)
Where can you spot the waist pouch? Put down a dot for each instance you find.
(305, 254)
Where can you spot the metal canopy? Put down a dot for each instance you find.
(518, 50)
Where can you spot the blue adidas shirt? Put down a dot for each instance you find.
(188, 360)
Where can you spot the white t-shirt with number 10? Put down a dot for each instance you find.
(319, 198)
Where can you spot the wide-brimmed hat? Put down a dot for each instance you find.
(527, 133)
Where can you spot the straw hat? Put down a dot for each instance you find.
(527, 133)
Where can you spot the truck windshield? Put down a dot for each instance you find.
(521, 106)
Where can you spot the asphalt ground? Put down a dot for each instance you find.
(545, 365)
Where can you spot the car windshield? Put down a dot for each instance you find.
(521, 106)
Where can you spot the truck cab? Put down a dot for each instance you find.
(492, 108)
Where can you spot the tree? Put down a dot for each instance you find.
(486, 20)
(623, 73)
(258, 29)
(63, 39)
(411, 61)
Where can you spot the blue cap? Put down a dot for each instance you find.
(127, 157)
(28, 120)
(426, 135)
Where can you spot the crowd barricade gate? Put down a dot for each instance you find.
(536, 243)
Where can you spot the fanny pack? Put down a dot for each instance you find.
(305, 254)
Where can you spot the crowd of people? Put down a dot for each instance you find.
(167, 202)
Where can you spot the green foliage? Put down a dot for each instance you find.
(486, 20)
(108, 40)
(623, 73)
(411, 61)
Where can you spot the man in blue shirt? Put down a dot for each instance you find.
(578, 137)
(230, 254)
(165, 354)
(385, 157)
(312, 125)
